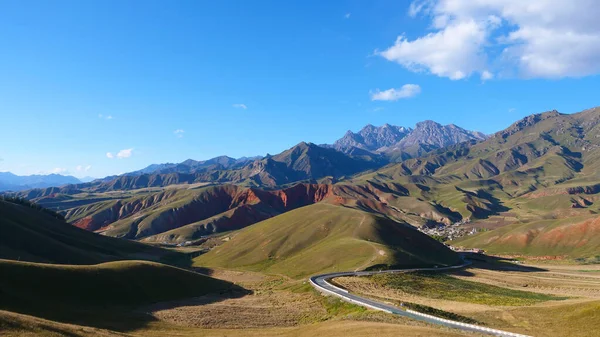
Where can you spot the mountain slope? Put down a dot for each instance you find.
(325, 237)
(193, 166)
(28, 234)
(204, 211)
(67, 288)
(577, 237)
(534, 184)
(305, 162)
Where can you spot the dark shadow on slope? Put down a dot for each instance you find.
(203, 271)
(496, 263)
(116, 318)
(482, 204)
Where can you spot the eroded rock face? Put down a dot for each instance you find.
(247, 206)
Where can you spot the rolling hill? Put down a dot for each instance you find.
(182, 213)
(85, 276)
(28, 234)
(324, 237)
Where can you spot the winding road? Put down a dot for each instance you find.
(321, 284)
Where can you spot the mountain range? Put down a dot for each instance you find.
(540, 172)
(369, 149)
(10, 181)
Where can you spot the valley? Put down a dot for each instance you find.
(299, 168)
(226, 246)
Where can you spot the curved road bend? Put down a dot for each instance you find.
(321, 284)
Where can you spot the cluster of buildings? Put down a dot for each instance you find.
(449, 232)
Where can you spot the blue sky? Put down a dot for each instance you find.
(82, 81)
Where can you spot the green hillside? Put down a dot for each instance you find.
(70, 286)
(88, 294)
(28, 234)
(324, 237)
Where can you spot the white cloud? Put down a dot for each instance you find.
(406, 91)
(107, 117)
(530, 39)
(378, 109)
(240, 106)
(454, 52)
(486, 75)
(512, 110)
(179, 133)
(124, 153)
(347, 16)
(59, 170)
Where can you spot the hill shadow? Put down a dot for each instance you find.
(120, 318)
(495, 263)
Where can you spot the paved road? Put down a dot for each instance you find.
(321, 284)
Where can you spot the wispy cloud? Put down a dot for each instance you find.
(240, 106)
(81, 168)
(179, 133)
(347, 16)
(406, 91)
(109, 155)
(512, 110)
(107, 117)
(378, 109)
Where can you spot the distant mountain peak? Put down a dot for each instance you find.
(13, 182)
(427, 135)
(427, 123)
(371, 138)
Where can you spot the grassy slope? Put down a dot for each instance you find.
(324, 237)
(96, 294)
(30, 235)
(112, 283)
(576, 237)
(73, 290)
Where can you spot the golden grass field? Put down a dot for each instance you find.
(281, 306)
(575, 312)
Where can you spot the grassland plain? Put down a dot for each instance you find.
(542, 300)
(324, 237)
(446, 287)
